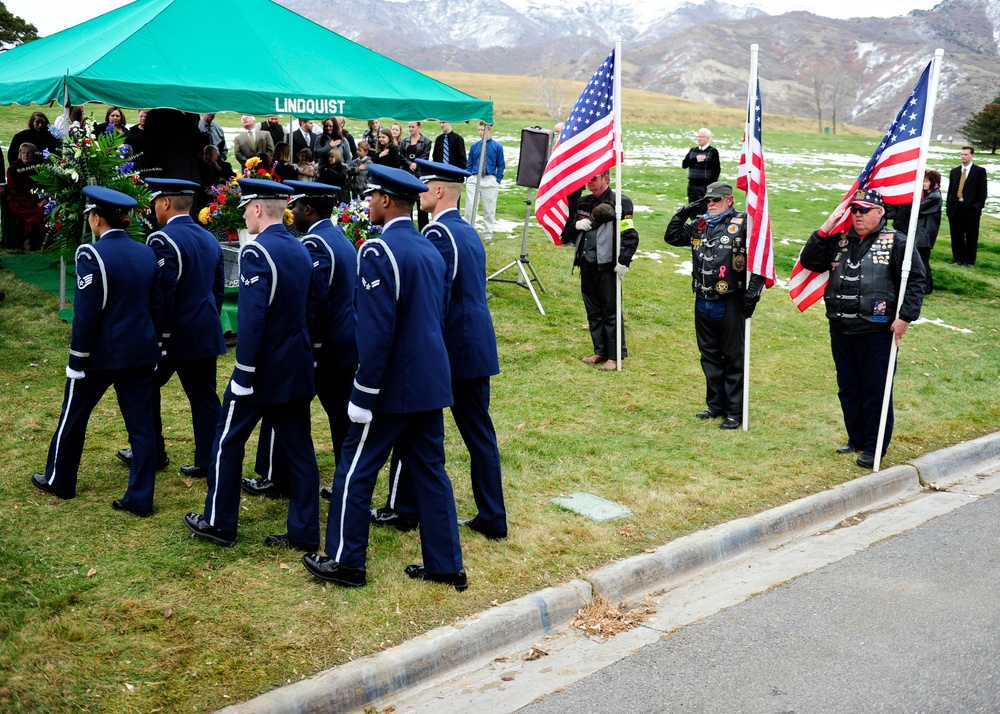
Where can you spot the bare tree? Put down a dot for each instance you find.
(819, 92)
(554, 95)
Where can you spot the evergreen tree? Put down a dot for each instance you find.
(983, 130)
(14, 30)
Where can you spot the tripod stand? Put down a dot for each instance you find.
(523, 280)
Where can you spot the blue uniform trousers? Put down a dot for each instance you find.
(291, 422)
(133, 387)
(418, 439)
(333, 387)
(862, 361)
(199, 380)
(472, 417)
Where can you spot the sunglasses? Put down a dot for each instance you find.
(863, 210)
(716, 200)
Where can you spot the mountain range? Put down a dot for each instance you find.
(856, 71)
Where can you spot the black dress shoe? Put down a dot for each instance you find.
(283, 541)
(389, 517)
(263, 487)
(162, 460)
(847, 449)
(119, 505)
(458, 580)
(708, 414)
(730, 423)
(866, 461)
(194, 471)
(203, 529)
(474, 525)
(39, 481)
(333, 572)
(326, 493)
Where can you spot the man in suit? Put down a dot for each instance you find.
(303, 138)
(472, 353)
(114, 343)
(335, 348)
(191, 286)
(402, 385)
(251, 141)
(966, 198)
(449, 147)
(702, 164)
(273, 375)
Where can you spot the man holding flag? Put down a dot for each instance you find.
(862, 295)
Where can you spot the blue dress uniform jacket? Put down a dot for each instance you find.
(400, 300)
(404, 379)
(335, 346)
(191, 282)
(115, 323)
(472, 351)
(274, 351)
(274, 358)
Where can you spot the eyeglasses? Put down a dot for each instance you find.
(863, 210)
(716, 200)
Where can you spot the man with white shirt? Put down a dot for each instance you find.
(251, 141)
(966, 198)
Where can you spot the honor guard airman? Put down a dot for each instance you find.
(273, 375)
(472, 352)
(191, 285)
(116, 313)
(335, 349)
(402, 385)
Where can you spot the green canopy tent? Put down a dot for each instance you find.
(151, 53)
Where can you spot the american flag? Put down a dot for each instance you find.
(585, 148)
(892, 171)
(750, 178)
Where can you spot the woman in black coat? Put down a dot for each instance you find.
(928, 221)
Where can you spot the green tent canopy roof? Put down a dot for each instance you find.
(153, 53)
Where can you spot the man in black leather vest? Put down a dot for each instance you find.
(862, 295)
(725, 295)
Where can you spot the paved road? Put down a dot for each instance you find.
(911, 624)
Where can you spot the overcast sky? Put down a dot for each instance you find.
(50, 18)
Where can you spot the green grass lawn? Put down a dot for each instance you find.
(100, 611)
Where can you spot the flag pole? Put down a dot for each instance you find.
(747, 132)
(918, 187)
(617, 92)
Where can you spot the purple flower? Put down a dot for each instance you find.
(126, 167)
(50, 206)
(45, 154)
(109, 129)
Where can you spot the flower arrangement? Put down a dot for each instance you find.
(353, 218)
(84, 159)
(223, 216)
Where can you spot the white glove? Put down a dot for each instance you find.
(73, 374)
(357, 414)
(584, 224)
(239, 390)
(620, 270)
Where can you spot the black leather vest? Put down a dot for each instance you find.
(861, 287)
(719, 257)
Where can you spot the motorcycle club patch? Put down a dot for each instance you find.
(722, 287)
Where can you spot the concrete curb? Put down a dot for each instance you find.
(948, 465)
(352, 686)
(676, 560)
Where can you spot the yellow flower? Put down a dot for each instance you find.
(288, 217)
(205, 215)
(252, 162)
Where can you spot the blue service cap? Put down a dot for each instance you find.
(436, 171)
(311, 189)
(262, 190)
(111, 202)
(394, 182)
(171, 187)
(868, 198)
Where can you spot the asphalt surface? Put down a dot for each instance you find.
(911, 624)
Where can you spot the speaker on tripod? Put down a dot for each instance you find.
(536, 145)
